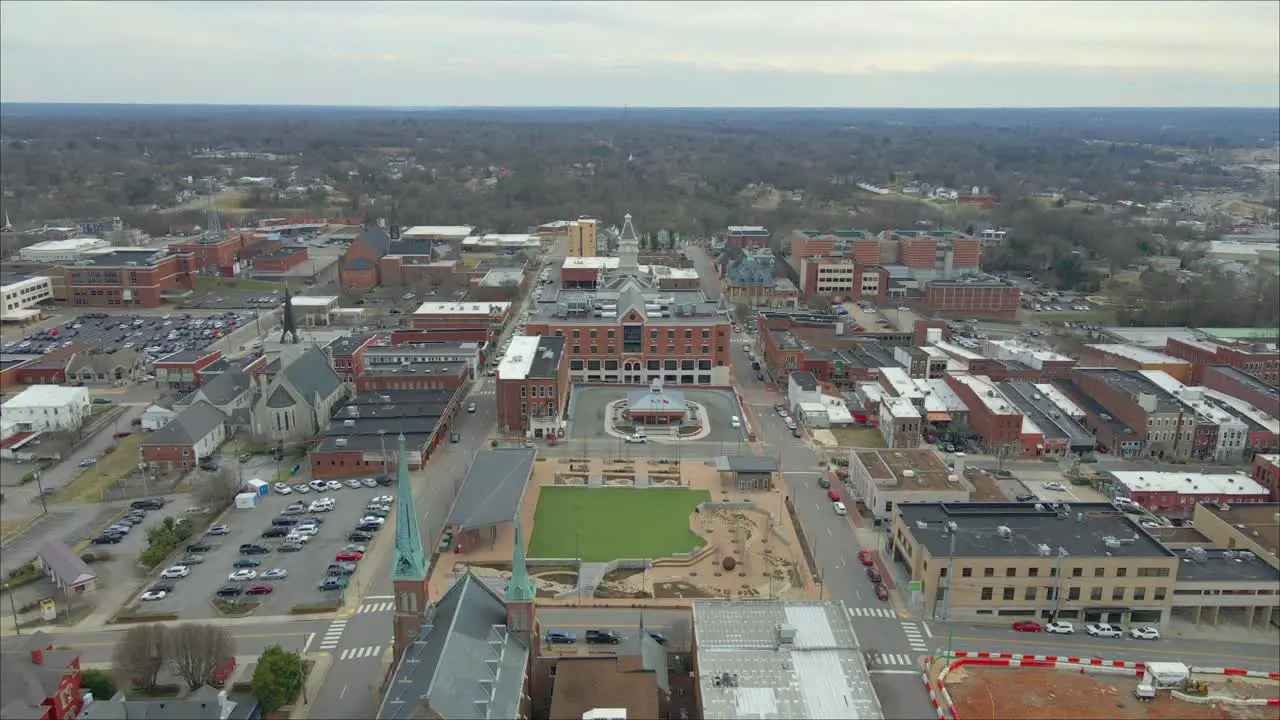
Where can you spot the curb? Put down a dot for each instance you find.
(22, 529)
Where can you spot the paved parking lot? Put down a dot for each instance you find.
(587, 413)
(153, 335)
(227, 299)
(306, 568)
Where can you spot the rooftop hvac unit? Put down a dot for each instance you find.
(1043, 550)
(1005, 531)
(1228, 555)
(1111, 542)
(348, 423)
(340, 442)
(786, 634)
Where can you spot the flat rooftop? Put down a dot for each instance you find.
(1215, 565)
(1256, 520)
(184, 356)
(890, 467)
(1081, 528)
(1137, 354)
(744, 672)
(1186, 482)
(443, 368)
(1151, 337)
(120, 257)
(463, 308)
(437, 231)
(1134, 383)
(531, 356)
(1041, 410)
(1248, 380)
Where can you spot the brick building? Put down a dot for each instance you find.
(490, 317)
(976, 299)
(211, 252)
(1142, 406)
(128, 278)
(361, 439)
(533, 386)
(994, 417)
(182, 370)
(1132, 357)
(1266, 472)
(746, 236)
(1176, 494)
(280, 261)
(1261, 360)
(583, 237)
(358, 268)
(40, 681)
(1243, 386)
(844, 278)
(346, 354)
(423, 374)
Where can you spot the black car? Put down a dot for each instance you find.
(153, 503)
(251, 549)
(208, 465)
(383, 480)
(1025, 497)
(378, 512)
(313, 520)
(199, 547)
(360, 535)
(163, 587)
(603, 637)
(107, 539)
(230, 591)
(273, 532)
(284, 521)
(873, 575)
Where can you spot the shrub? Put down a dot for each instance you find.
(277, 678)
(163, 539)
(28, 478)
(99, 683)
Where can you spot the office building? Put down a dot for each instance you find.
(58, 252)
(533, 386)
(21, 296)
(128, 278)
(583, 235)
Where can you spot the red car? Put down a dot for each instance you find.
(259, 590)
(833, 496)
(882, 592)
(1027, 626)
(865, 557)
(348, 556)
(122, 435)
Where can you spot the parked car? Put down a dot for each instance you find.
(1055, 486)
(244, 574)
(246, 563)
(154, 595)
(360, 535)
(229, 591)
(199, 547)
(833, 495)
(259, 589)
(1027, 626)
(284, 521)
(108, 538)
(319, 485)
(637, 438)
(383, 500)
(252, 549)
(302, 489)
(177, 571)
(190, 560)
(1061, 628)
(275, 574)
(88, 461)
(275, 532)
(352, 483)
(219, 529)
(151, 503)
(124, 434)
(1144, 633)
(333, 485)
(289, 547)
(873, 575)
(332, 583)
(342, 568)
(866, 557)
(1025, 497)
(348, 556)
(357, 547)
(602, 637)
(369, 482)
(882, 592)
(1102, 630)
(560, 637)
(282, 489)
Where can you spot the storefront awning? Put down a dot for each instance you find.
(939, 417)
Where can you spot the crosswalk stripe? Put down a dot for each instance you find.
(375, 607)
(360, 653)
(890, 659)
(871, 612)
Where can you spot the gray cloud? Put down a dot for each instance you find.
(645, 54)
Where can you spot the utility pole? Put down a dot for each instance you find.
(14, 608)
(1057, 590)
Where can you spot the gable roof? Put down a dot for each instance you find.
(377, 240)
(27, 685)
(280, 398)
(189, 427)
(205, 703)
(493, 488)
(310, 374)
(104, 362)
(227, 386)
(65, 567)
(452, 654)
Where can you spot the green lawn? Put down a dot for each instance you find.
(611, 523)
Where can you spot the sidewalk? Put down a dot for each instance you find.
(7, 630)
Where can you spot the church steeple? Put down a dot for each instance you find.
(628, 249)
(290, 325)
(520, 588)
(410, 561)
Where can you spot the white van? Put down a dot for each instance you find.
(839, 507)
(735, 421)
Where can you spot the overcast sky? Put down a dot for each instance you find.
(848, 54)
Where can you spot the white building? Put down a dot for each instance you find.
(436, 232)
(156, 417)
(62, 251)
(42, 408)
(899, 422)
(802, 387)
(20, 296)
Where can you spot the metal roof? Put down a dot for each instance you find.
(493, 489)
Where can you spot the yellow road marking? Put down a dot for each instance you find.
(1099, 646)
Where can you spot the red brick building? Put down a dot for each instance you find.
(415, 336)
(470, 316)
(1176, 494)
(746, 236)
(533, 386)
(1266, 472)
(426, 375)
(1260, 360)
(211, 253)
(128, 278)
(40, 681)
(972, 299)
(181, 370)
(363, 443)
(996, 420)
(346, 354)
(263, 246)
(358, 268)
(280, 261)
(1242, 386)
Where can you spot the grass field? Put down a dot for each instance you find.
(860, 437)
(90, 485)
(610, 523)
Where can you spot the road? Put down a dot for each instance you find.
(251, 639)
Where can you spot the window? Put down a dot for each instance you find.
(1153, 572)
(986, 593)
(1121, 572)
(966, 572)
(1117, 593)
(1095, 593)
(988, 572)
(1097, 572)
(1033, 572)
(1140, 593)
(1011, 572)
(1073, 593)
(1008, 593)
(1077, 572)
(1159, 594)
(1029, 594)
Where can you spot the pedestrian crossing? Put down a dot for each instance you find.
(333, 634)
(875, 659)
(914, 638)
(873, 612)
(372, 607)
(482, 392)
(360, 653)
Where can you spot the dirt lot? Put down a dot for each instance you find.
(1002, 694)
(985, 489)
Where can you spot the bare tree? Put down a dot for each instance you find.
(141, 654)
(195, 649)
(220, 489)
(678, 634)
(741, 312)
(820, 303)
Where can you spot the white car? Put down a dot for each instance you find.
(1145, 633)
(245, 574)
(297, 537)
(154, 595)
(369, 482)
(282, 489)
(333, 485)
(319, 485)
(372, 519)
(1102, 630)
(1054, 486)
(275, 574)
(307, 529)
(321, 507)
(1061, 628)
(637, 438)
(382, 500)
(353, 484)
(177, 571)
(471, 407)
(791, 424)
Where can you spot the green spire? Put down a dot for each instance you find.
(410, 560)
(520, 587)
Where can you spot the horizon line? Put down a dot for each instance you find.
(634, 107)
